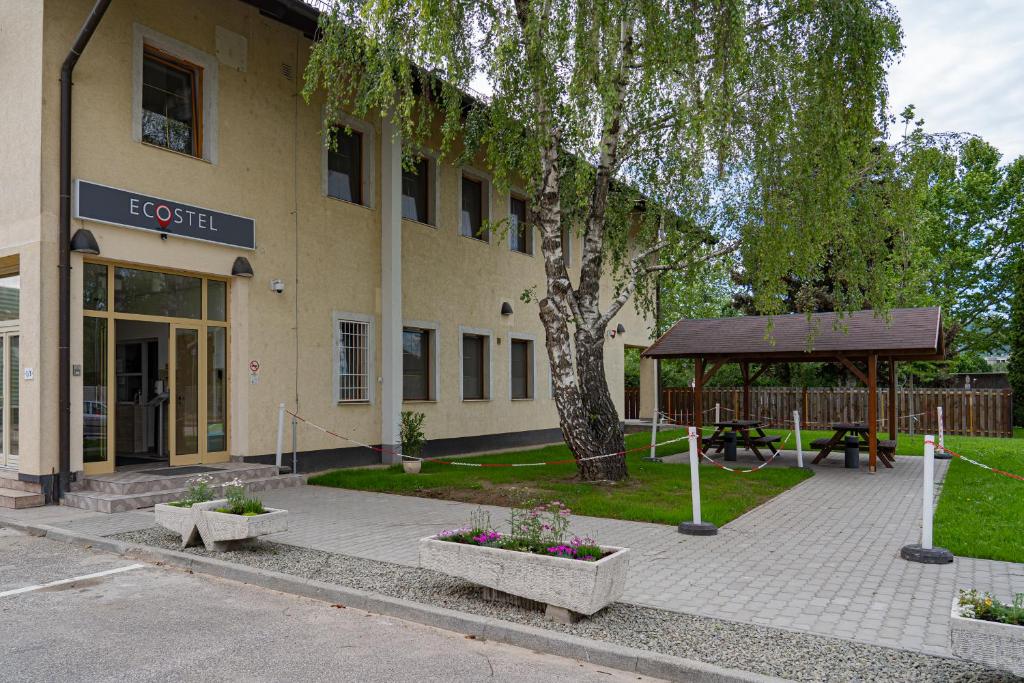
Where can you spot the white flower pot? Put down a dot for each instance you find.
(575, 585)
(218, 529)
(412, 466)
(1000, 646)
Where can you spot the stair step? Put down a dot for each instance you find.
(10, 498)
(100, 501)
(122, 484)
(9, 480)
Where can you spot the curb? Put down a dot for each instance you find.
(529, 637)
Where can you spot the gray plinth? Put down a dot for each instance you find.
(698, 529)
(942, 455)
(915, 553)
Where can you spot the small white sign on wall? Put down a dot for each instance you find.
(29, 374)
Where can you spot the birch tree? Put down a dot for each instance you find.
(666, 134)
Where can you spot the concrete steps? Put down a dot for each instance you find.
(114, 502)
(18, 494)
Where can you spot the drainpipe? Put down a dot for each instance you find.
(64, 246)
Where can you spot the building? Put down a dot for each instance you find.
(225, 262)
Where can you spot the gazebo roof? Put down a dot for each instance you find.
(902, 334)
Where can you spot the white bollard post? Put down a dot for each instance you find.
(799, 443)
(718, 413)
(654, 435)
(697, 527)
(940, 452)
(280, 435)
(926, 552)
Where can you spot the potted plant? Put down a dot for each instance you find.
(236, 517)
(536, 560)
(413, 441)
(986, 631)
(176, 516)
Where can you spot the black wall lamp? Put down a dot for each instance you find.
(621, 329)
(506, 308)
(241, 267)
(83, 242)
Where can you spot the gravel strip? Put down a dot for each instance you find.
(760, 649)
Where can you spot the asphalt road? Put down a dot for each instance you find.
(159, 624)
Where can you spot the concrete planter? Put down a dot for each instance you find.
(569, 586)
(411, 466)
(1000, 646)
(218, 530)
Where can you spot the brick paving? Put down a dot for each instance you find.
(822, 557)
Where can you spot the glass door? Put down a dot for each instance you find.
(10, 370)
(185, 388)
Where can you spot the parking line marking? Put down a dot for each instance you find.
(29, 589)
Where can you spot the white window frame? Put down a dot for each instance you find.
(338, 317)
(369, 147)
(435, 358)
(531, 236)
(485, 190)
(433, 190)
(488, 361)
(143, 36)
(532, 339)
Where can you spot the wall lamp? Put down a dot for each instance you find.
(621, 329)
(241, 267)
(506, 308)
(83, 242)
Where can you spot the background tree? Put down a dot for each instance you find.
(667, 134)
(1016, 342)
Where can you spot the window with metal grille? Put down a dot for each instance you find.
(353, 361)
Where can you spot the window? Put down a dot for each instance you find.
(417, 365)
(474, 208)
(171, 102)
(10, 297)
(416, 192)
(474, 367)
(352, 354)
(345, 167)
(522, 368)
(519, 232)
(567, 246)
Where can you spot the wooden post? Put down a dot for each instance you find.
(892, 400)
(745, 371)
(872, 411)
(698, 388)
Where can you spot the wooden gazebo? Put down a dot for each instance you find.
(857, 339)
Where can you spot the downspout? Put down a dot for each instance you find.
(64, 247)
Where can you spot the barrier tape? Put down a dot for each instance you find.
(982, 465)
(753, 469)
(457, 463)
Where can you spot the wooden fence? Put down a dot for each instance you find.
(971, 412)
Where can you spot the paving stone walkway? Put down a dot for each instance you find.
(822, 557)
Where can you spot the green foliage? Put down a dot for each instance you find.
(748, 120)
(1015, 367)
(197, 491)
(411, 433)
(238, 502)
(988, 608)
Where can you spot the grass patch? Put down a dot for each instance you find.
(980, 513)
(654, 492)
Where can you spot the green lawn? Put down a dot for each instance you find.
(654, 492)
(980, 513)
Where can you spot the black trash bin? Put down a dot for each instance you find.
(729, 438)
(852, 451)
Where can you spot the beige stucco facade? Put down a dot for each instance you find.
(264, 160)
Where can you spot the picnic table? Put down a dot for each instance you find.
(743, 429)
(886, 449)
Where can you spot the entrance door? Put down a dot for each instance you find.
(185, 399)
(10, 371)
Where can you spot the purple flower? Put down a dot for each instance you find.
(486, 537)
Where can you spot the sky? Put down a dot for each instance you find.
(963, 68)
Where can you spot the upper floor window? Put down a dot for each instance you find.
(474, 208)
(171, 102)
(519, 233)
(345, 167)
(416, 192)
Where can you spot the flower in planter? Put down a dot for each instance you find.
(489, 536)
(975, 605)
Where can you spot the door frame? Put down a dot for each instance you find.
(7, 330)
(201, 325)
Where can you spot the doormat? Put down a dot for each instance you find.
(174, 471)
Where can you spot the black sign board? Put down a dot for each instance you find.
(133, 210)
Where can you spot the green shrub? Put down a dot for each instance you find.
(411, 432)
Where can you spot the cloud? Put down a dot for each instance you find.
(962, 68)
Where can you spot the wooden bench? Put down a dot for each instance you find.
(765, 440)
(821, 443)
